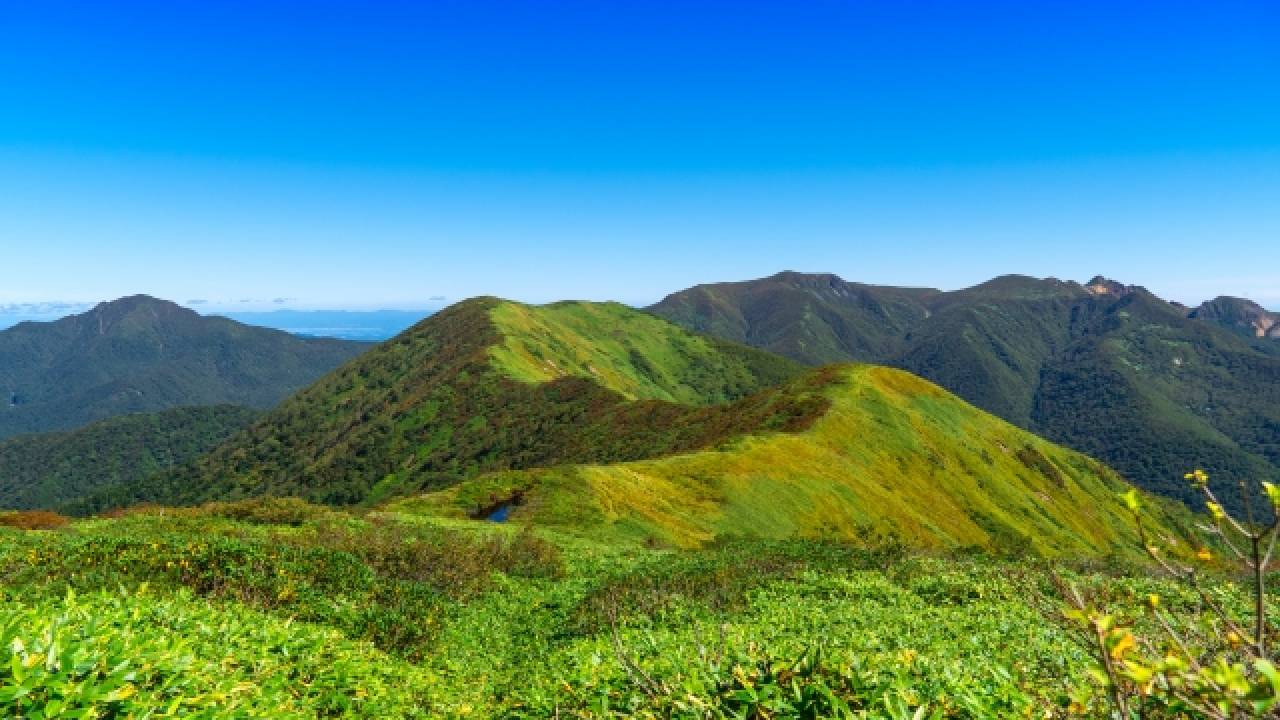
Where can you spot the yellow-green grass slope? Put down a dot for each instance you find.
(893, 453)
(635, 354)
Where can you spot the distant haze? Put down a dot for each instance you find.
(366, 325)
(362, 325)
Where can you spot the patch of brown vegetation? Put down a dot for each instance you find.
(34, 520)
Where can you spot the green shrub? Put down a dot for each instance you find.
(265, 510)
(109, 655)
(381, 580)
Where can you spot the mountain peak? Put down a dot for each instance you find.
(808, 279)
(133, 315)
(1240, 314)
(1100, 285)
(1013, 287)
(144, 307)
(140, 353)
(490, 384)
(132, 302)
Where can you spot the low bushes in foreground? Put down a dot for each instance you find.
(126, 655)
(281, 609)
(385, 581)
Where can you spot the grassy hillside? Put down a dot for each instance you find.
(636, 355)
(49, 469)
(489, 385)
(140, 354)
(892, 454)
(1111, 370)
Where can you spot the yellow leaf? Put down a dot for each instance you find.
(1198, 478)
(1273, 493)
(1131, 499)
(1123, 645)
(1140, 674)
(122, 693)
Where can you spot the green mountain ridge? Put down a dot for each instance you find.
(140, 354)
(1147, 386)
(489, 385)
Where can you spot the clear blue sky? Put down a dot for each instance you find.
(381, 154)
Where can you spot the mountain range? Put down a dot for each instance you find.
(140, 354)
(610, 421)
(766, 407)
(1150, 387)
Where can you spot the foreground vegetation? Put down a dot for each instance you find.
(277, 608)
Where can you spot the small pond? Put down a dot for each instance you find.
(500, 513)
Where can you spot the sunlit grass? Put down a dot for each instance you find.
(893, 453)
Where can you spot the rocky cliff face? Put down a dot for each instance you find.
(1106, 286)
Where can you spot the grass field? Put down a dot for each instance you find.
(281, 609)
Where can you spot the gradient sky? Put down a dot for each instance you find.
(383, 154)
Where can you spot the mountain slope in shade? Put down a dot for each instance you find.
(1105, 368)
(890, 453)
(488, 385)
(48, 470)
(140, 354)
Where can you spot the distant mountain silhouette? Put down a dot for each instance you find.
(139, 354)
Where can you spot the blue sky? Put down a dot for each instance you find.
(384, 154)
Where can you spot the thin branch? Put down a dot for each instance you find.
(1214, 499)
(1217, 530)
(1271, 545)
(1188, 574)
(1173, 635)
(1248, 506)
